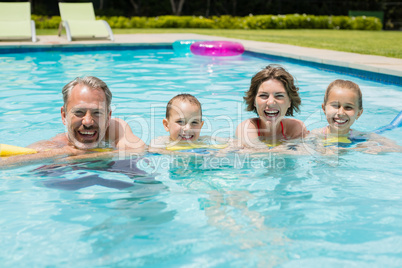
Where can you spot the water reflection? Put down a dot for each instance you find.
(99, 172)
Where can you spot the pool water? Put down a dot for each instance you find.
(238, 210)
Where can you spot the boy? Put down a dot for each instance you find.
(183, 122)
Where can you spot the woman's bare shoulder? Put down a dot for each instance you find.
(250, 123)
(294, 128)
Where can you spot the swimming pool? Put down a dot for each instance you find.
(240, 210)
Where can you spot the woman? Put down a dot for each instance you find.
(272, 96)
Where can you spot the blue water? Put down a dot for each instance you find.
(265, 210)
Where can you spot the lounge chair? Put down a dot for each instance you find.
(79, 21)
(15, 21)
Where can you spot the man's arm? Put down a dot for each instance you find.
(20, 160)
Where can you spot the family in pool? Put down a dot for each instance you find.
(92, 132)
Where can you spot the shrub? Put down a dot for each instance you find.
(291, 21)
(138, 22)
(342, 22)
(367, 23)
(119, 22)
(44, 22)
(200, 22)
(228, 22)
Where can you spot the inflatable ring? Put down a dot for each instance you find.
(195, 146)
(183, 46)
(9, 150)
(217, 48)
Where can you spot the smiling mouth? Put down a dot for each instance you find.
(186, 137)
(87, 135)
(340, 121)
(271, 113)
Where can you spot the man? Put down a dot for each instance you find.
(86, 113)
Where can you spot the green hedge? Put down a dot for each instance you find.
(294, 21)
(44, 22)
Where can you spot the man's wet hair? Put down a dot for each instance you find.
(91, 82)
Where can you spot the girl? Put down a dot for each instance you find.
(342, 106)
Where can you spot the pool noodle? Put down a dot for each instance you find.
(397, 122)
(195, 146)
(9, 150)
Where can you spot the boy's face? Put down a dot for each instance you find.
(184, 122)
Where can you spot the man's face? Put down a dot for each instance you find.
(86, 117)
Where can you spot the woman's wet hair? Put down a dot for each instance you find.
(280, 74)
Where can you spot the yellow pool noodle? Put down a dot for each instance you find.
(9, 150)
(335, 140)
(272, 144)
(102, 150)
(196, 146)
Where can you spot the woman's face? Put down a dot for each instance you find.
(272, 101)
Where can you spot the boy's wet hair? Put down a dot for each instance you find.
(345, 84)
(182, 97)
(280, 74)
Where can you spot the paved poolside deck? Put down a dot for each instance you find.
(378, 64)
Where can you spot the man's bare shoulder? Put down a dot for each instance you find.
(59, 141)
(121, 136)
(116, 126)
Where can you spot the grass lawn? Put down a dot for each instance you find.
(383, 43)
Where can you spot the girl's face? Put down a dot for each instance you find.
(341, 109)
(184, 122)
(272, 101)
